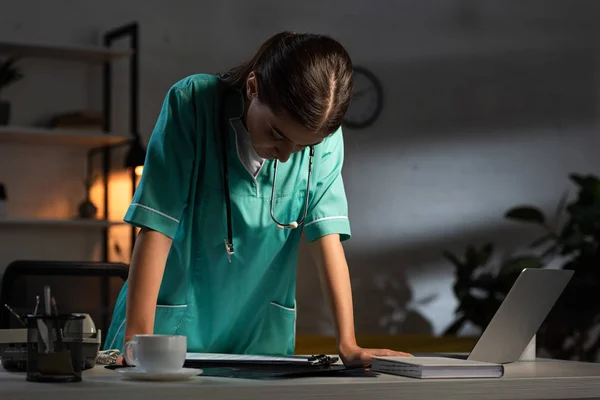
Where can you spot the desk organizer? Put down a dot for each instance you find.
(13, 349)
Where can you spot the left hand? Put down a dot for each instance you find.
(356, 356)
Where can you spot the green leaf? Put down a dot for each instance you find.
(484, 282)
(452, 258)
(578, 179)
(461, 289)
(588, 183)
(471, 256)
(517, 264)
(560, 208)
(542, 240)
(455, 327)
(526, 214)
(550, 252)
(9, 74)
(573, 242)
(486, 253)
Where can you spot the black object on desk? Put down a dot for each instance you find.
(55, 348)
(202, 360)
(23, 280)
(267, 367)
(268, 372)
(286, 372)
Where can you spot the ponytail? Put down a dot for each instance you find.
(237, 76)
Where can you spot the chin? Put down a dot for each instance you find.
(264, 154)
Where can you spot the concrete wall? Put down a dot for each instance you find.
(487, 104)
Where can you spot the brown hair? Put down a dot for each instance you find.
(308, 76)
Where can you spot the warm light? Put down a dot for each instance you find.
(139, 169)
(119, 199)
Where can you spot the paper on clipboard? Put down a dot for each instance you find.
(222, 358)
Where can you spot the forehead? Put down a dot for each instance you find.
(293, 131)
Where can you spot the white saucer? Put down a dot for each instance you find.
(141, 375)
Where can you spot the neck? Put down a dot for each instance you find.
(245, 114)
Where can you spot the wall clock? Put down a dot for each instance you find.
(367, 100)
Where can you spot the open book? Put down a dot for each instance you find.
(436, 367)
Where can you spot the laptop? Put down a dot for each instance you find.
(518, 318)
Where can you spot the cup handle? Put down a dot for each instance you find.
(128, 353)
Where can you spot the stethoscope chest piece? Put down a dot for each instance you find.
(228, 249)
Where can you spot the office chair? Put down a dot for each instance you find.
(80, 287)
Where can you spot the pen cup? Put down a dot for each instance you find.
(55, 348)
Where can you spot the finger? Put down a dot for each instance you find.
(391, 353)
(402, 354)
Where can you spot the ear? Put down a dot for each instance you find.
(251, 86)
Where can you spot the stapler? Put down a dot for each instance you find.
(13, 346)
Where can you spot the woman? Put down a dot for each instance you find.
(238, 167)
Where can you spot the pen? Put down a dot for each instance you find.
(47, 300)
(54, 308)
(15, 314)
(59, 331)
(37, 304)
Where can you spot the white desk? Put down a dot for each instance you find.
(543, 379)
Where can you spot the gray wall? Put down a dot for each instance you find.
(488, 104)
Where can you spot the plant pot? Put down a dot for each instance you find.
(4, 112)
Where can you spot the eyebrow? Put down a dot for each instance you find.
(280, 133)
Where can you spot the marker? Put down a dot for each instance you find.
(47, 300)
(37, 304)
(15, 314)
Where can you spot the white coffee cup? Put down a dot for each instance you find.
(156, 353)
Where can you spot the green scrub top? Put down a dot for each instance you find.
(246, 306)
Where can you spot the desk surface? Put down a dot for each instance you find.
(542, 379)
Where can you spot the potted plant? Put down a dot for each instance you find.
(571, 329)
(9, 74)
(481, 285)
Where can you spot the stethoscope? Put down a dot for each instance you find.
(224, 143)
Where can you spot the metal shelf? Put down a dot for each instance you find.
(57, 223)
(89, 54)
(100, 55)
(74, 137)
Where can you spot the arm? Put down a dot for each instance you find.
(334, 276)
(145, 276)
(158, 205)
(328, 255)
(326, 226)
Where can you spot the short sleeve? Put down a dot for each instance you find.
(163, 190)
(328, 209)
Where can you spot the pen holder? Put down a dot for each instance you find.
(55, 348)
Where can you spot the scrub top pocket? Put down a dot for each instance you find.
(277, 333)
(168, 319)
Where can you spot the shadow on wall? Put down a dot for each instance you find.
(395, 288)
(383, 300)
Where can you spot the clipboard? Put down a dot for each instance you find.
(207, 360)
(333, 371)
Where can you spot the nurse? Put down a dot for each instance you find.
(239, 168)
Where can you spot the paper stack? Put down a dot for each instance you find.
(436, 367)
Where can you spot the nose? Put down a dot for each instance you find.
(284, 151)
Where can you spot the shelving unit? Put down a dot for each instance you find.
(93, 140)
(89, 54)
(71, 137)
(58, 223)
